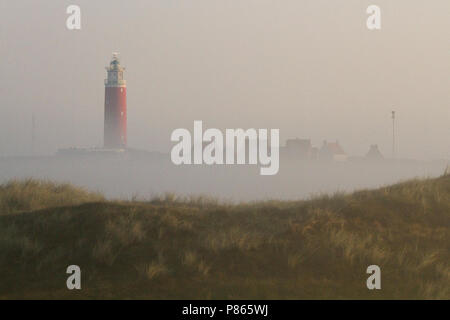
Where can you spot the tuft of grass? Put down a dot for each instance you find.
(193, 261)
(153, 270)
(104, 252)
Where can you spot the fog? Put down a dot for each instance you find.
(311, 69)
(149, 176)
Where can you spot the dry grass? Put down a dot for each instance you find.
(174, 247)
(29, 195)
(153, 270)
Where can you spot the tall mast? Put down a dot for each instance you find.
(393, 134)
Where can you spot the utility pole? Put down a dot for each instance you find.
(33, 133)
(393, 134)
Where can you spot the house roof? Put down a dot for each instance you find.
(335, 148)
(374, 152)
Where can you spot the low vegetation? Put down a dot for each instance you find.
(31, 194)
(170, 248)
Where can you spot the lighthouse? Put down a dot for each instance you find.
(115, 127)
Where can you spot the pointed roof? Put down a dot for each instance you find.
(335, 148)
(374, 152)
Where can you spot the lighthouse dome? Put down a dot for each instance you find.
(115, 64)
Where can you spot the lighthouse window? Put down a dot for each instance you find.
(121, 89)
(121, 113)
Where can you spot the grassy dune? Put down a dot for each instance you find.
(199, 248)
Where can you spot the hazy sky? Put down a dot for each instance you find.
(310, 68)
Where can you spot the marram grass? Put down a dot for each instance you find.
(169, 248)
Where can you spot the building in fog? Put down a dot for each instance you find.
(298, 148)
(332, 151)
(374, 153)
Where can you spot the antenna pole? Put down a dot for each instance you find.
(393, 134)
(33, 129)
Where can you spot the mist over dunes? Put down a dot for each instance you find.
(145, 175)
(175, 247)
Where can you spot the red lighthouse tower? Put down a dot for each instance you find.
(115, 134)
